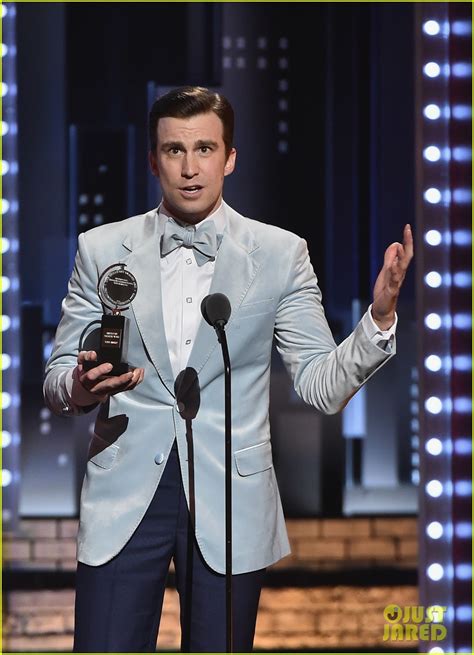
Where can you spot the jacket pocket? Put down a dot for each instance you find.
(254, 459)
(102, 453)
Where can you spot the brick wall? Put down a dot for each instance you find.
(42, 544)
(348, 543)
(290, 618)
(318, 543)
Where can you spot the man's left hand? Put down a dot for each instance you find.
(390, 279)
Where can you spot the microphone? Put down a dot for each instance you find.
(216, 310)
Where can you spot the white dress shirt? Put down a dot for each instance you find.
(184, 285)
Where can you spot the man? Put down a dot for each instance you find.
(142, 476)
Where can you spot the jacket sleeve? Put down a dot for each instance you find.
(324, 375)
(79, 308)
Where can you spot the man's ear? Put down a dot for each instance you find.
(153, 164)
(230, 163)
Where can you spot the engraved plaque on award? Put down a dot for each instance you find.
(117, 288)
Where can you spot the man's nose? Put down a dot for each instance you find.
(190, 165)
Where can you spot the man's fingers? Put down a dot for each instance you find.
(408, 241)
(132, 382)
(397, 257)
(398, 254)
(137, 377)
(111, 384)
(391, 253)
(407, 249)
(86, 356)
(125, 382)
(91, 376)
(99, 382)
(118, 380)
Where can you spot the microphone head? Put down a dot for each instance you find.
(216, 309)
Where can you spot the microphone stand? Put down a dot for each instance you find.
(221, 336)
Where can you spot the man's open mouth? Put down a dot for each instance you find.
(192, 189)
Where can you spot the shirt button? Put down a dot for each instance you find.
(189, 261)
(189, 299)
(159, 458)
(187, 342)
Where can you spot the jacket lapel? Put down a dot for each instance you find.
(144, 262)
(236, 267)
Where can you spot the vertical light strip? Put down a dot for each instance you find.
(442, 207)
(10, 320)
(434, 239)
(460, 93)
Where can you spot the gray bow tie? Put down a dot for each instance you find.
(204, 240)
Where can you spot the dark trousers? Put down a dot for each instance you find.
(118, 604)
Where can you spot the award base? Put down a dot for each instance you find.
(113, 345)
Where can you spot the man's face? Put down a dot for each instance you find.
(190, 162)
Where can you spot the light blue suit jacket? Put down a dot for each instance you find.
(266, 273)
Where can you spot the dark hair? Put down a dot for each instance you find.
(187, 101)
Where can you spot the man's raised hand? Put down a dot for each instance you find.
(390, 279)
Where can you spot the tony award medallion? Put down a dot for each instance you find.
(117, 288)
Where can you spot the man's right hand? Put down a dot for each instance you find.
(98, 382)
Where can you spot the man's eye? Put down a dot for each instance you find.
(205, 149)
(174, 151)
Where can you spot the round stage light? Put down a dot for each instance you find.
(434, 488)
(6, 438)
(434, 446)
(433, 237)
(433, 405)
(432, 195)
(431, 27)
(432, 153)
(435, 571)
(432, 111)
(433, 321)
(434, 530)
(433, 279)
(433, 363)
(431, 69)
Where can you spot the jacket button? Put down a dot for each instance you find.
(159, 458)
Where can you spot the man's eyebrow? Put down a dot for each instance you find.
(168, 145)
(202, 143)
